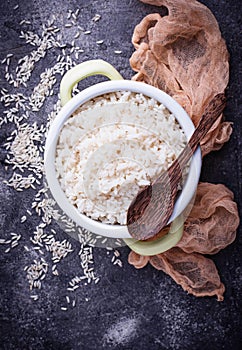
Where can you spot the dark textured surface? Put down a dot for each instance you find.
(128, 308)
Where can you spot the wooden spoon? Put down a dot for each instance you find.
(151, 209)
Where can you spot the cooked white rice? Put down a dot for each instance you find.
(111, 147)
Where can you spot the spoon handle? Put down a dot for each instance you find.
(212, 111)
(210, 115)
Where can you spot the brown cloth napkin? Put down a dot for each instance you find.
(210, 227)
(184, 54)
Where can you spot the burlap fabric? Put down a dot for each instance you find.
(184, 54)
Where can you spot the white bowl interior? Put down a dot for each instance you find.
(117, 231)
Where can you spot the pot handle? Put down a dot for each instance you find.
(82, 71)
(159, 245)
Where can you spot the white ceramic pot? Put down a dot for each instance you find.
(70, 104)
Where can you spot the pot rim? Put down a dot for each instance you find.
(109, 230)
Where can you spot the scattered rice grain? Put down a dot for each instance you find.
(23, 218)
(96, 18)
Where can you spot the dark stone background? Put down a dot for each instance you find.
(128, 308)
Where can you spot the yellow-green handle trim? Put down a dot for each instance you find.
(82, 71)
(161, 244)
